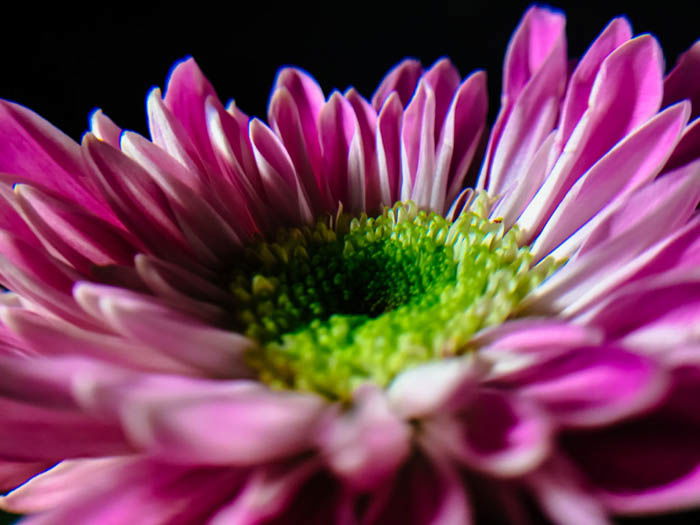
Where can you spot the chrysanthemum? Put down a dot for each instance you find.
(313, 321)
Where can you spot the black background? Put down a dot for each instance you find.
(65, 61)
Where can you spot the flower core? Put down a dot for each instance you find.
(350, 300)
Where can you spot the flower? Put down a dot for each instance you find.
(313, 321)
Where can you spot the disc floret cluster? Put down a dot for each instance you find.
(349, 300)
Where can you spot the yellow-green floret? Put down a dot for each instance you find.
(348, 301)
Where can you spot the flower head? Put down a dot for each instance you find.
(316, 320)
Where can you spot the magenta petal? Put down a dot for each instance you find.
(366, 445)
(104, 129)
(33, 148)
(684, 80)
(669, 476)
(401, 80)
(591, 386)
(498, 434)
(434, 387)
(185, 96)
(135, 316)
(580, 86)
(426, 490)
(209, 425)
(627, 91)
(133, 491)
(636, 160)
(13, 474)
(389, 126)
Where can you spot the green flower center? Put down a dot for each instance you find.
(348, 301)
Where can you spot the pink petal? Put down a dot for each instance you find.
(33, 148)
(461, 133)
(279, 177)
(77, 237)
(245, 427)
(13, 474)
(433, 387)
(427, 490)
(444, 79)
(340, 139)
(53, 337)
(300, 136)
(402, 80)
(627, 91)
(683, 80)
(136, 198)
(633, 162)
(591, 386)
(620, 244)
(219, 353)
(497, 434)
(389, 126)
(418, 140)
(185, 97)
(366, 445)
(581, 82)
(668, 478)
(534, 83)
(104, 129)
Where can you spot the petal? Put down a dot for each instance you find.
(185, 97)
(425, 491)
(591, 386)
(620, 245)
(635, 161)
(210, 426)
(389, 126)
(497, 434)
(33, 148)
(627, 91)
(683, 80)
(402, 80)
(219, 353)
(366, 445)
(581, 83)
(436, 386)
(668, 477)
